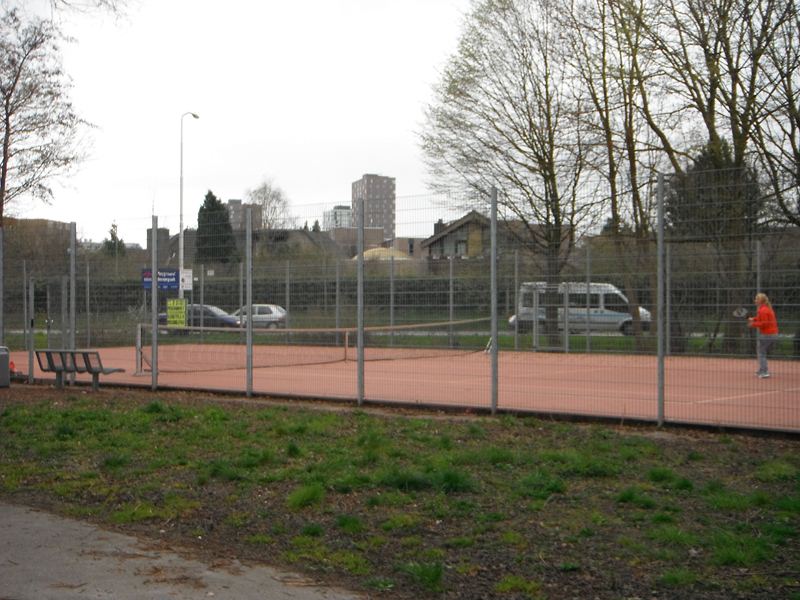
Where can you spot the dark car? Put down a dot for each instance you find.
(205, 314)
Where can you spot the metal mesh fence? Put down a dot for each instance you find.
(602, 314)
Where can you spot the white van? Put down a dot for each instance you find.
(608, 308)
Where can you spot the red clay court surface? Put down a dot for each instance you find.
(706, 391)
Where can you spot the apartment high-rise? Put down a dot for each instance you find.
(238, 216)
(337, 217)
(378, 194)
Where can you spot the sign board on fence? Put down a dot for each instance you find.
(176, 312)
(167, 279)
(186, 280)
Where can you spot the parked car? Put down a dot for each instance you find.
(269, 316)
(207, 314)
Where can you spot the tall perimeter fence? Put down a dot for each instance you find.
(474, 302)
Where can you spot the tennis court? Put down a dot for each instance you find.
(698, 390)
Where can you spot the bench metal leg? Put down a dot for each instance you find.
(59, 379)
(95, 381)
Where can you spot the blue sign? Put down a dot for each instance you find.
(167, 279)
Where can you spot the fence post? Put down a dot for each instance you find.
(360, 302)
(288, 294)
(48, 323)
(758, 266)
(565, 303)
(64, 312)
(588, 298)
(249, 299)
(660, 301)
(202, 298)
(495, 342)
(2, 288)
(516, 299)
(668, 299)
(32, 313)
(451, 303)
(154, 304)
(72, 289)
(535, 321)
(27, 325)
(88, 311)
(391, 299)
(338, 308)
(241, 293)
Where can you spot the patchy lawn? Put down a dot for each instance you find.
(408, 505)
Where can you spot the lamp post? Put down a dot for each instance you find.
(180, 225)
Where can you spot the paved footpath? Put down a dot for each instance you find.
(44, 557)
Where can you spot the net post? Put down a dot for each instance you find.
(138, 349)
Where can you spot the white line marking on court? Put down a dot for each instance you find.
(752, 395)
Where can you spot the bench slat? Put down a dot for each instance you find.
(60, 361)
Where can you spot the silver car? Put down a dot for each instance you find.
(269, 316)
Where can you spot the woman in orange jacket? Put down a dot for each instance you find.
(767, 324)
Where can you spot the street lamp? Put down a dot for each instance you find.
(180, 230)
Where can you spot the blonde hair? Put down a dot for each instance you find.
(762, 298)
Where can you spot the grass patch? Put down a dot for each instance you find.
(350, 524)
(636, 497)
(540, 485)
(421, 506)
(426, 575)
(305, 496)
(678, 578)
(514, 584)
(731, 548)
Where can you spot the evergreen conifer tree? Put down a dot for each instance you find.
(215, 241)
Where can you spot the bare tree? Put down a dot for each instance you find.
(275, 211)
(114, 7)
(38, 125)
(778, 135)
(503, 116)
(604, 46)
(111, 6)
(714, 62)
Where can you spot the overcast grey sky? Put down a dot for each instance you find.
(309, 93)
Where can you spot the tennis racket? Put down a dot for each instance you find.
(740, 312)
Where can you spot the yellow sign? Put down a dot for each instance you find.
(176, 312)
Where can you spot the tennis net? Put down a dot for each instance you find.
(194, 349)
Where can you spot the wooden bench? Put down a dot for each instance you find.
(63, 362)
